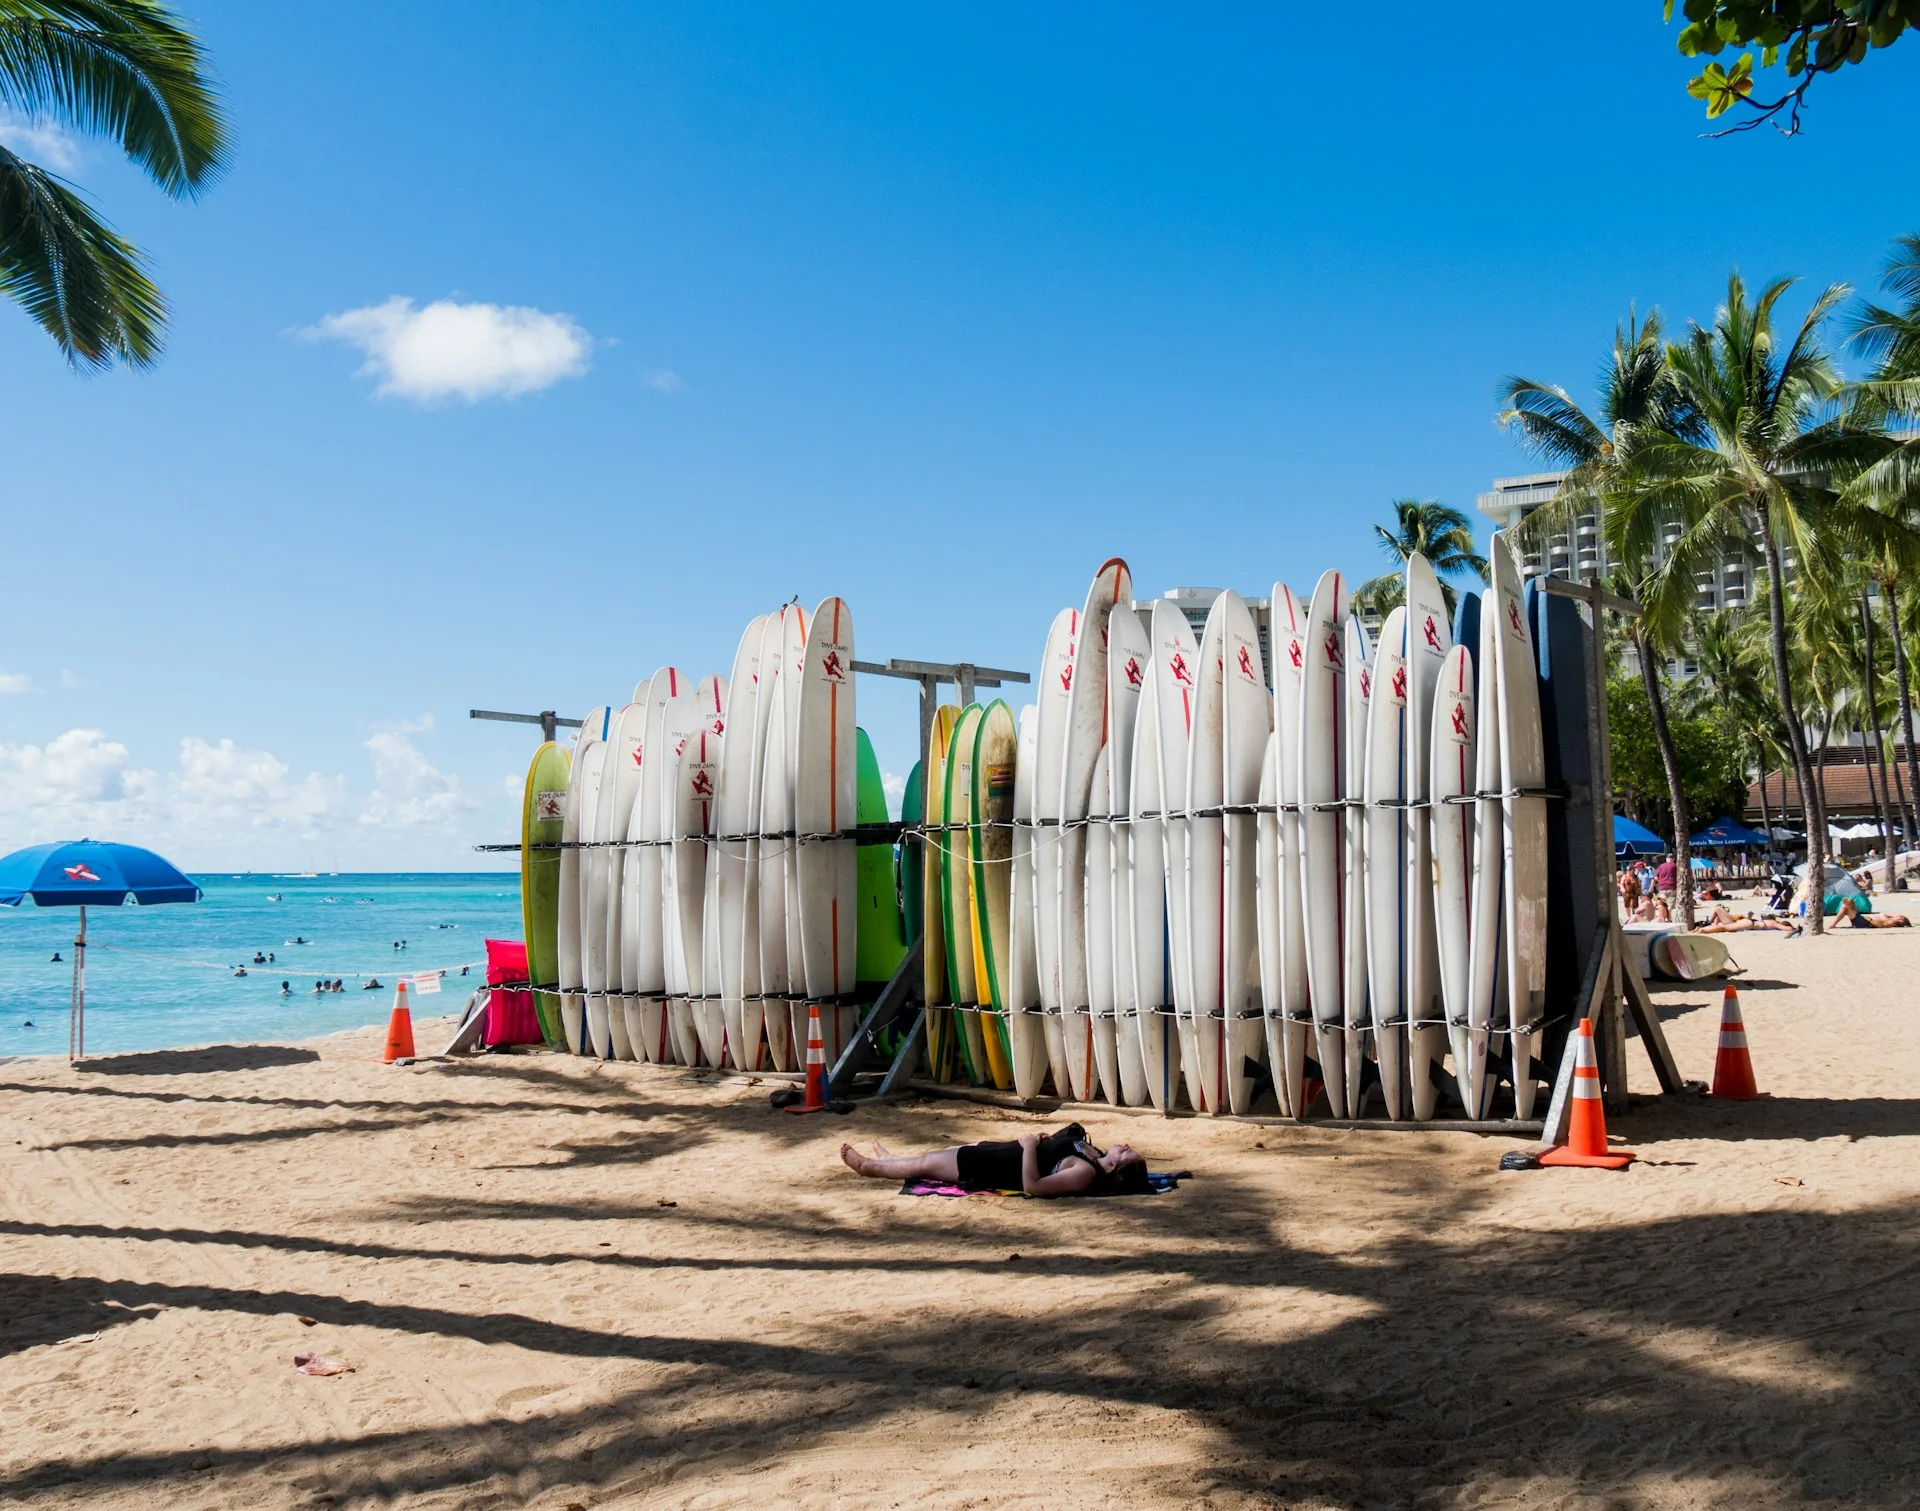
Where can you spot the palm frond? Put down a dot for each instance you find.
(126, 69)
(85, 285)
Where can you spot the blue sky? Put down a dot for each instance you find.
(934, 308)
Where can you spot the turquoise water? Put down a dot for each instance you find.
(162, 978)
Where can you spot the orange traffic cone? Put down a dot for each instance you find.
(1733, 1066)
(400, 1028)
(1586, 1120)
(816, 1065)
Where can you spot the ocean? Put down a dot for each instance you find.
(162, 978)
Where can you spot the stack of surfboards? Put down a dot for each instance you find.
(1173, 880)
(706, 890)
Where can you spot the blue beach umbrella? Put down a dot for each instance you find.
(1726, 833)
(1630, 838)
(83, 873)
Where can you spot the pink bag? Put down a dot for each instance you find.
(510, 1015)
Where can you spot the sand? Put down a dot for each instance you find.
(562, 1284)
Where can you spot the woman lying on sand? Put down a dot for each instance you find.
(1850, 917)
(1721, 921)
(1054, 1164)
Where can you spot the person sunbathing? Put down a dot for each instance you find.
(1850, 917)
(1054, 1164)
(1723, 921)
(1652, 909)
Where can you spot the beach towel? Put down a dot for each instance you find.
(1157, 1182)
(510, 1015)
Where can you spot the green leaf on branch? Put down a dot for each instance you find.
(1721, 87)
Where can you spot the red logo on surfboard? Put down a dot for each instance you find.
(1181, 671)
(702, 783)
(831, 666)
(1066, 678)
(80, 872)
(639, 755)
(1460, 720)
(1246, 665)
(1334, 658)
(1366, 684)
(1294, 654)
(1400, 683)
(718, 726)
(1433, 635)
(1133, 671)
(1513, 615)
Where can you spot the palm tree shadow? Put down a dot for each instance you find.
(201, 1061)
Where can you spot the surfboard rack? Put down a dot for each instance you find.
(893, 996)
(1610, 980)
(964, 675)
(548, 720)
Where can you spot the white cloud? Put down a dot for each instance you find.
(895, 787)
(466, 351)
(78, 778)
(40, 142)
(15, 682)
(410, 789)
(665, 379)
(225, 785)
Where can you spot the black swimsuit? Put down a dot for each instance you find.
(996, 1166)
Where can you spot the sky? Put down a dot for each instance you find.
(525, 349)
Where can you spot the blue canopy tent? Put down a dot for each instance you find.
(1728, 834)
(82, 873)
(1630, 838)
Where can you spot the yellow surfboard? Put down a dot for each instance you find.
(956, 886)
(942, 1046)
(995, 746)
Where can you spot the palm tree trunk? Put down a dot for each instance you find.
(1906, 712)
(1676, 789)
(1796, 736)
(1766, 819)
(1883, 799)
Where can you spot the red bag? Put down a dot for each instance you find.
(510, 1015)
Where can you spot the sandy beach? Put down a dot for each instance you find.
(564, 1284)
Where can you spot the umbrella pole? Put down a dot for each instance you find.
(77, 1012)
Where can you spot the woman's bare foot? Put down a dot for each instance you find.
(856, 1161)
(881, 1151)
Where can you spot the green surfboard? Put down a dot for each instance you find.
(882, 944)
(543, 812)
(912, 861)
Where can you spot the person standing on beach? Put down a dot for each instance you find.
(1666, 880)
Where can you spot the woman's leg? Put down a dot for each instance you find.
(936, 1164)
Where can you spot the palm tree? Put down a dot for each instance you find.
(1637, 401)
(1730, 680)
(1891, 339)
(125, 69)
(1441, 534)
(1758, 451)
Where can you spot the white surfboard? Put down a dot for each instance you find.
(696, 761)
(826, 803)
(1025, 1021)
(771, 854)
(593, 730)
(775, 1026)
(642, 939)
(1086, 733)
(1324, 842)
(1485, 931)
(1429, 638)
(1097, 896)
(680, 717)
(1158, 1028)
(1175, 682)
(793, 657)
(1523, 817)
(1206, 863)
(1247, 725)
(1128, 651)
(595, 901)
(1050, 742)
(1452, 763)
(1386, 857)
(619, 785)
(1289, 1012)
(723, 923)
(1353, 908)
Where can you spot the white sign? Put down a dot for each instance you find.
(425, 983)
